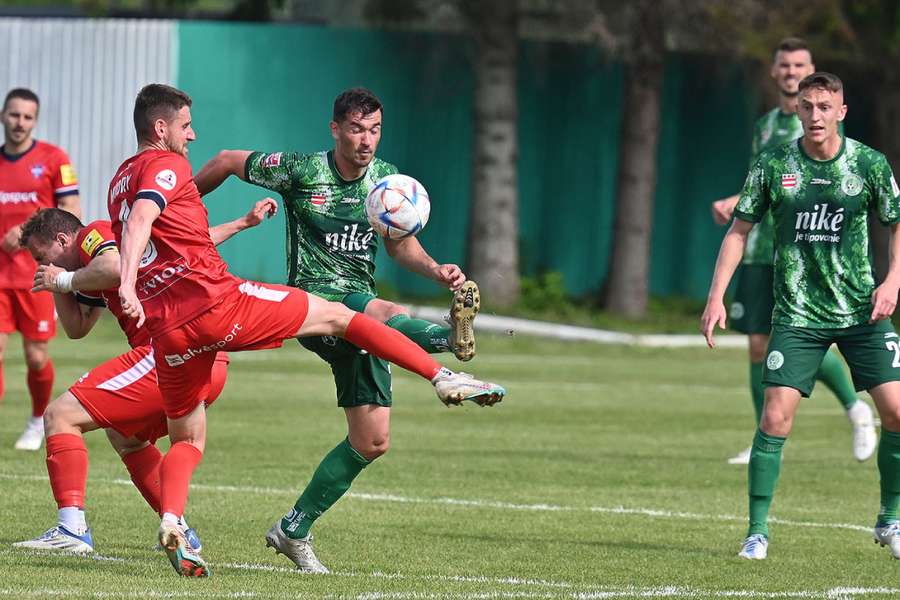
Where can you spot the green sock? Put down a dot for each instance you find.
(832, 374)
(889, 468)
(432, 338)
(756, 389)
(765, 466)
(330, 481)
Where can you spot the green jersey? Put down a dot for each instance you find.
(823, 274)
(330, 246)
(772, 129)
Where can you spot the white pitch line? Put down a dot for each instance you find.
(489, 504)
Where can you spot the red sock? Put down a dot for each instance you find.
(391, 345)
(40, 384)
(67, 464)
(143, 466)
(175, 476)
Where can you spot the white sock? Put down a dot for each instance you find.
(36, 423)
(170, 518)
(183, 522)
(442, 374)
(72, 518)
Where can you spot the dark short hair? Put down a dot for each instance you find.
(22, 94)
(355, 100)
(821, 80)
(46, 223)
(156, 101)
(792, 44)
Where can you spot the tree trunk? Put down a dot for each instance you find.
(627, 283)
(493, 244)
(887, 140)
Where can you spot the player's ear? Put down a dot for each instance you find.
(335, 128)
(159, 128)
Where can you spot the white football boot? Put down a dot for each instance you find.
(455, 388)
(300, 551)
(889, 536)
(463, 308)
(756, 547)
(742, 457)
(33, 436)
(185, 560)
(864, 437)
(60, 539)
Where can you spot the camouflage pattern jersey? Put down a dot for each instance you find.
(771, 130)
(330, 246)
(823, 275)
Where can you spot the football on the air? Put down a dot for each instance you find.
(398, 206)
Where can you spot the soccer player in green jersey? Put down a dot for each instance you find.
(331, 253)
(751, 311)
(820, 191)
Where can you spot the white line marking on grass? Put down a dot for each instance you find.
(461, 502)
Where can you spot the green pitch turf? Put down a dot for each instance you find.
(602, 475)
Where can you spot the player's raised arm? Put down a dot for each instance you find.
(412, 256)
(729, 257)
(219, 168)
(102, 273)
(134, 240)
(265, 208)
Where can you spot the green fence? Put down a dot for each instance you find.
(271, 88)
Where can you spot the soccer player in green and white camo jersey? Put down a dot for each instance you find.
(820, 190)
(331, 253)
(751, 310)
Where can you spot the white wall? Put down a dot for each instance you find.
(87, 73)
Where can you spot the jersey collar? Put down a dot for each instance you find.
(330, 156)
(816, 161)
(15, 157)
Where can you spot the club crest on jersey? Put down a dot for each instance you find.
(166, 179)
(37, 171)
(319, 198)
(851, 184)
(272, 160)
(788, 180)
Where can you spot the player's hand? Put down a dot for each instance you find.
(884, 301)
(10, 241)
(451, 275)
(264, 209)
(45, 278)
(714, 314)
(722, 211)
(131, 306)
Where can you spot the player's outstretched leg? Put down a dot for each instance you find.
(391, 345)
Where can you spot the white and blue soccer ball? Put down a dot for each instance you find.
(398, 206)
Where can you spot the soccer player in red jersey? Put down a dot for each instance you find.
(80, 265)
(173, 278)
(33, 175)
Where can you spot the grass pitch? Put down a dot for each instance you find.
(602, 475)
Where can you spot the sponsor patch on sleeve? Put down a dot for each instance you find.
(894, 187)
(91, 241)
(272, 160)
(166, 179)
(67, 174)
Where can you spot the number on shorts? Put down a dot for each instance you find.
(892, 345)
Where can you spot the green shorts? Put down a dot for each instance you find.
(359, 377)
(795, 353)
(754, 300)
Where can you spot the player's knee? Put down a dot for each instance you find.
(57, 418)
(338, 318)
(776, 422)
(890, 418)
(36, 358)
(373, 447)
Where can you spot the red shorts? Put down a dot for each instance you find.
(31, 314)
(252, 316)
(123, 394)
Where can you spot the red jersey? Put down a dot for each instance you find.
(93, 240)
(180, 274)
(35, 179)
